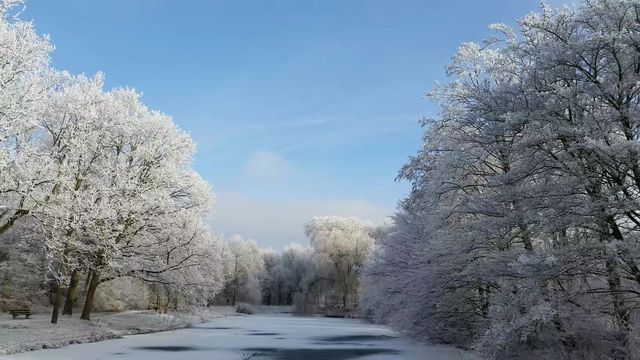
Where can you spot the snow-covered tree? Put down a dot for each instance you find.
(23, 80)
(243, 264)
(520, 233)
(295, 261)
(104, 184)
(341, 246)
(273, 278)
(71, 140)
(23, 277)
(147, 183)
(185, 264)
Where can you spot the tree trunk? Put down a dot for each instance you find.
(344, 299)
(483, 294)
(88, 301)
(87, 280)
(620, 311)
(71, 293)
(56, 305)
(58, 297)
(166, 305)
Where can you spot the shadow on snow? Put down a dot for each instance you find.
(316, 354)
(169, 348)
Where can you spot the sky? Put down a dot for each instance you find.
(299, 108)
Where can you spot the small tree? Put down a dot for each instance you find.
(344, 244)
(243, 264)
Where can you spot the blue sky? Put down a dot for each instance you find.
(299, 108)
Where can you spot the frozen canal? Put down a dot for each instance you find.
(256, 337)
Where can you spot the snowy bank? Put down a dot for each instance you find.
(21, 334)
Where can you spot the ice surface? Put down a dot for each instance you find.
(274, 336)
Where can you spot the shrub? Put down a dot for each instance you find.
(243, 308)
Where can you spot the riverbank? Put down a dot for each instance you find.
(22, 335)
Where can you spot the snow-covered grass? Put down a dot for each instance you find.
(21, 334)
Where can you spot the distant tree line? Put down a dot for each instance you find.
(320, 278)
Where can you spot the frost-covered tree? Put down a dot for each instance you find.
(70, 138)
(23, 81)
(272, 279)
(104, 184)
(243, 264)
(296, 262)
(284, 274)
(121, 188)
(520, 233)
(147, 184)
(341, 246)
(23, 278)
(186, 265)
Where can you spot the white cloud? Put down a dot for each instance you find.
(266, 164)
(276, 223)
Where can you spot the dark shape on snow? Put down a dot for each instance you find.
(321, 343)
(351, 338)
(169, 348)
(213, 328)
(258, 333)
(317, 354)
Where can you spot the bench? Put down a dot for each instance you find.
(18, 312)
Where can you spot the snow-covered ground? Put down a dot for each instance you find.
(38, 333)
(269, 336)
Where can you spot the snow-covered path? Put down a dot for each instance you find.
(279, 337)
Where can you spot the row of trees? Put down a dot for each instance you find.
(93, 183)
(97, 189)
(520, 236)
(323, 277)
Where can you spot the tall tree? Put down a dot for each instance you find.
(23, 83)
(520, 233)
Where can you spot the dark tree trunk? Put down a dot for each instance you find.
(58, 298)
(56, 305)
(345, 294)
(87, 280)
(88, 301)
(71, 293)
(621, 313)
(166, 305)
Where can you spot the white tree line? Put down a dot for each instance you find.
(97, 192)
(520, 235)
(320, 278)
(105, 183)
